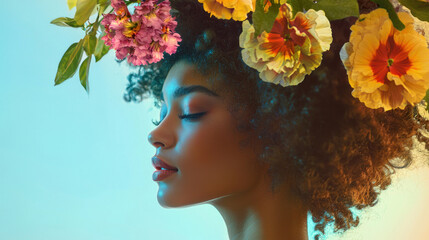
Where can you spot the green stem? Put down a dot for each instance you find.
(392, 13)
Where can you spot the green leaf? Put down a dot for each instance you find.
(100, 50)
(71, 4)
(66, 22)
(89, 43)
(296, 5)
(419, 9)
(334, 9)
(104, 4)
(84, 9)
(69, 62)
(84, 72)
(392, 13)
(263, 21)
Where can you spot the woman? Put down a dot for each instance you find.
(198, 137)
(264, 155)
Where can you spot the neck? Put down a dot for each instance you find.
(260, 214)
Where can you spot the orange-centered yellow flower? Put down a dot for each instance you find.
(227, 9)
(386, 67)
(291, 50)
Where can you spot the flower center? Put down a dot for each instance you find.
(389, 57)
(155, 46)
(287, 37)
(151, 15)
(131, 29)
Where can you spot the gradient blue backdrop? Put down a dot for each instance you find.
(73, 165)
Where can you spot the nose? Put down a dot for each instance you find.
(161, 136)
(154, 141)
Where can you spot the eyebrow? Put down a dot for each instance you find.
(182, 91)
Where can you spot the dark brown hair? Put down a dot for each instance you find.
(336, 153)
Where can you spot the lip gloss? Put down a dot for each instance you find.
(159, 175)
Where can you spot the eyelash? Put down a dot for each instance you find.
(189, 117)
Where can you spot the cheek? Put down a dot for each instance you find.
(208, 144)
(213, 161)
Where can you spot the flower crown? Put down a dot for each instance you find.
(386, 58)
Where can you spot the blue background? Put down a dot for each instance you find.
(73, 165)
(77, 166)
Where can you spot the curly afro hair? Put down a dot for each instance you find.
(336, 153)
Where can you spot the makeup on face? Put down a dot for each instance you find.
(193, 102)
(198, 136)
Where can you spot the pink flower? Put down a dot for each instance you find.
(144, 36)
(120, 8)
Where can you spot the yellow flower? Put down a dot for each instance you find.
(422, 27)
(291, 50)
(227, 9)
(386, 67)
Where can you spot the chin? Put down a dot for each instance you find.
(167, 203)
(173, 203)
(168, 199)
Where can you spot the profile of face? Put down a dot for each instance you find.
(197, 135)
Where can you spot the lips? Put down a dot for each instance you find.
(163, 170)
(161, 165)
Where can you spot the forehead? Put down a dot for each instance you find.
(182, 74)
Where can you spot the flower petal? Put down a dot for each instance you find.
(291, 50)
(386, 67)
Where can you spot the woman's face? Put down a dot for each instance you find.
(198, 136)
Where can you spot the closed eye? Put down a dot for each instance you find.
(192, 116)
(189, 117)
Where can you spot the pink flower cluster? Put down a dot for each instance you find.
(144, 36)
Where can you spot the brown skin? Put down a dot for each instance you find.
(331, 149)
(213, 168)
